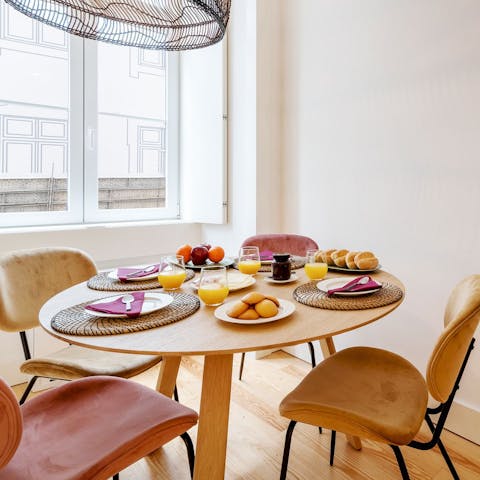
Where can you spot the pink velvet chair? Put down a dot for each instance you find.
(281, 243)
(87, 429)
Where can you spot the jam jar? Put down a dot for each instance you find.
(281, 266)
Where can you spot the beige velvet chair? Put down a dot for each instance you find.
(281, 243)
(378, 395)
(90, 428)
(28, 278)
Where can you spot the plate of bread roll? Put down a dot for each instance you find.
(255, 308)
(342, 260)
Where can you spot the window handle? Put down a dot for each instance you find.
(91, 139)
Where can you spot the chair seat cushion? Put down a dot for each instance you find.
(366, 392)
(75, 362)
(93, 428)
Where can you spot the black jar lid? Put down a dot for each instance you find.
(281, 257)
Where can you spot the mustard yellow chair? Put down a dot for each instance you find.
(281, 243)
(28, 278)
(378, 395)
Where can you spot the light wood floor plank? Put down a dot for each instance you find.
(257, 433)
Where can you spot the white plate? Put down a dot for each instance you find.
(331, 283)
(113, 275)
(293, 278)
(226, 262)
(286, 308)
(357, 271)
(236, 281)
(151, 303)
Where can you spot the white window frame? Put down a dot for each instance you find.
(82, 169)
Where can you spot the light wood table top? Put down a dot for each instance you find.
(203, 334)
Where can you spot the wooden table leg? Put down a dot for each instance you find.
(167, 377)
(328, 348)
(213, 418)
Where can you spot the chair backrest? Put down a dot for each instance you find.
(28, 278)
(462, 316)
(282, 243)
(11, 424)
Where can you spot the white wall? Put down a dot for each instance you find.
(382, 110)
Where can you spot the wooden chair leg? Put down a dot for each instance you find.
(286, 450)
(242, 361)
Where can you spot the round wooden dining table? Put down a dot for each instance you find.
(203, 334)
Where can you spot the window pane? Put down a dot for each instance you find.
(131, 123)
(34, 115)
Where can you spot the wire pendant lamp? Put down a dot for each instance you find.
(152, 24)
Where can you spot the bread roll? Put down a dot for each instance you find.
(319, 257)
(350, 260)
(253, 297)
(249, 314)
(237, 308)
(266, 308)
(327, 256)
(366, 261)
(273, 299)
(338, 257)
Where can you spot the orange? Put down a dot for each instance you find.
(216, 254)
(185, 251)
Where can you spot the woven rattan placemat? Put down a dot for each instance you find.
(310, 295)
(77, 321)
(297, 262)
(104, 283)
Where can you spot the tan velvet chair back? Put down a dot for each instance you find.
(28, 278)
(11, 424)
(462, 316)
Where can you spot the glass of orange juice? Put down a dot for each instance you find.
(172, 272)
(249, 260)
(314, 269)
(213, 285)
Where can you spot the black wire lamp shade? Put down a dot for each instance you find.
(152, 24)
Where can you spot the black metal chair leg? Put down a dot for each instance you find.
(116, 477)
(175, 393)
(448, 461)
(320, 430)
(242, 361)
(401, 462)
(332, 446)
(312, 354)
(30, 385)
(286, 450)
(190, 451)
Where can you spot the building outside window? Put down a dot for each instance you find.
(88, 130)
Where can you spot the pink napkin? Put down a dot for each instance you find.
(117, 307)
(355, 286)
(125, 274)
(266, 255)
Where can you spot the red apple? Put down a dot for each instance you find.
(206, 245)
(199, 255)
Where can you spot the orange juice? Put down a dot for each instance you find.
(213, 293)
(316, 271)
(171, 280)
(250, 267)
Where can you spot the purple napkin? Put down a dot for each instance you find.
(117, 307)
(355, 286)
(125, 274)
(266, 255)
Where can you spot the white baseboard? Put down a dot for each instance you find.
(464, 421)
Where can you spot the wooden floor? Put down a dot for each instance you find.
(257, 433)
